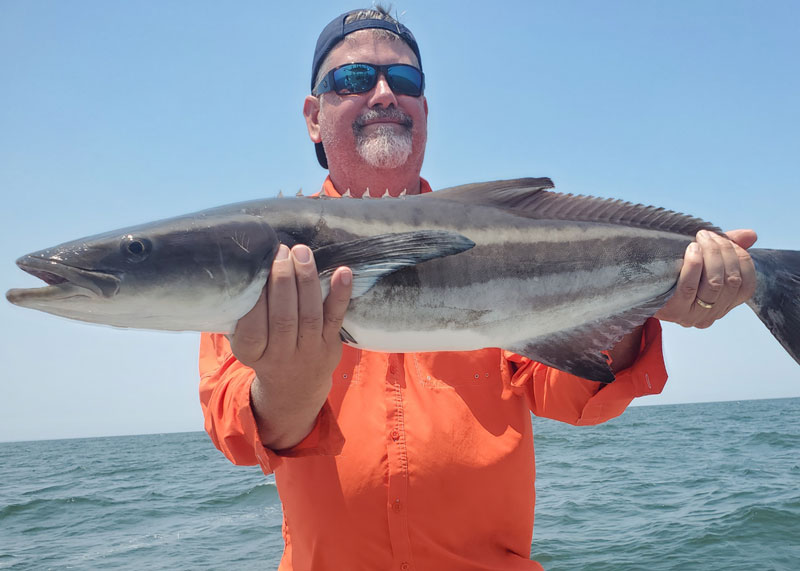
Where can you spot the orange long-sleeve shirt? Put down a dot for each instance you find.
(417, 460)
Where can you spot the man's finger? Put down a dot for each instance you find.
(748, 271)
(309, 297)
(282, 304)
(679, 306)
(336, 303)
(712, 281)
(250, 336)
(732, 281)
(743, 238)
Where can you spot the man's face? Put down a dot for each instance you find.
(377, 128)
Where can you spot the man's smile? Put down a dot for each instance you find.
(391, 116)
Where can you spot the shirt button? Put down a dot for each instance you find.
(395, 434)
(404, 566)
(396, 506)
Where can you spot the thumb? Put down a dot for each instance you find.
(742, 238)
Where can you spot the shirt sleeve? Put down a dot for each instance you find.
(229, 421)
(567, 398)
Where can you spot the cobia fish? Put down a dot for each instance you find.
(510, 264)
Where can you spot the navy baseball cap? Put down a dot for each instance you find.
(335, 32)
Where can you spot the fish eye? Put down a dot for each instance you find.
(135, 249)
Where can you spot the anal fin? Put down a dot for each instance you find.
(579, 351)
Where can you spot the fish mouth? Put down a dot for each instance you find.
(63, 282)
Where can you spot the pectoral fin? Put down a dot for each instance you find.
(377, 256)
(345, 336)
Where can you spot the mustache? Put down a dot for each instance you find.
(391, 113)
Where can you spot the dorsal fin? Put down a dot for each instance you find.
(529, 197)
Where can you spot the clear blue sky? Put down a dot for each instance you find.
(116, 113)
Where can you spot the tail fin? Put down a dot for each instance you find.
(777, 297)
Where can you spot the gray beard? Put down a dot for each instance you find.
(384, 147)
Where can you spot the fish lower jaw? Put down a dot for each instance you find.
(43, 296)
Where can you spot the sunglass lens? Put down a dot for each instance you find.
(354, 79)
(405, 80)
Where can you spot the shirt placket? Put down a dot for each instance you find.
(397, 499)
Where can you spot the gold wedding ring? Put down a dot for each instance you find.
(704, 304)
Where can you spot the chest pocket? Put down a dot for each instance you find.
(451, 369)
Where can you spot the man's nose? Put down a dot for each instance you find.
(382, 95)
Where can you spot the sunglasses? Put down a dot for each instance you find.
(353, 78)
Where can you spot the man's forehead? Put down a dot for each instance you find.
(368, 47)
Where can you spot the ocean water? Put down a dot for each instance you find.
(701, 486)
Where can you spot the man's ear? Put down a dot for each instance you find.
(311, 114)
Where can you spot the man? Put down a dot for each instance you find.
(407, 461)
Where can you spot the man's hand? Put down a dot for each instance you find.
(717, 275)
(291, 339)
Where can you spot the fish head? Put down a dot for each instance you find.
(197, 272)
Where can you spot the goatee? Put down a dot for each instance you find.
(388, 145)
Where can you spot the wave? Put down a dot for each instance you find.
(259, 494)
(775, 439)
(49, 506)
